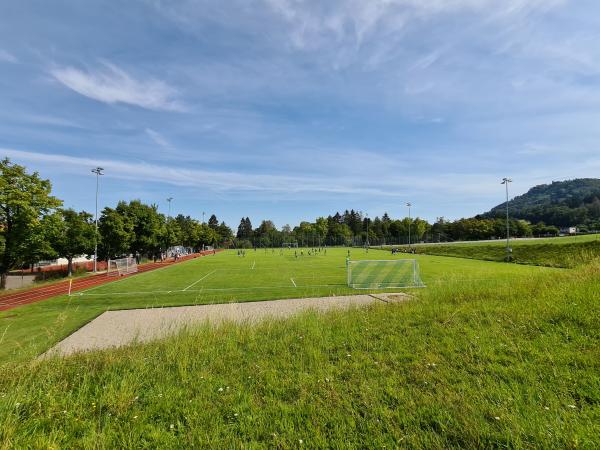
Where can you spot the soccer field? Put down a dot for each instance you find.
(226, 277)
(275, 273)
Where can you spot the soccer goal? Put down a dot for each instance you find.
(289, 245)
(384, 274)
(121, 266)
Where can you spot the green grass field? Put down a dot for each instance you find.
(29, 330)
(489, 355)
(566, 252)
(559, 240)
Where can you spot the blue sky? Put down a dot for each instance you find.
(289, 109)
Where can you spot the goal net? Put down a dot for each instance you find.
(289, 245)
(121, 266)
(384, 274)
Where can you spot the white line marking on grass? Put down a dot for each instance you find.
(293, 282)
(209, 289)
(196, 282)
(138, 274)
(123, 278)
(253, 264)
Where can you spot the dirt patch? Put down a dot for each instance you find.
(119, 328)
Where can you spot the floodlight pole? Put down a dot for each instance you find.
(203, 217)
(169, 200)
(367, 217)
(409, 223)
(506, 181)
(98, 172)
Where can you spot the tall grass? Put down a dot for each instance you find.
(465, 364)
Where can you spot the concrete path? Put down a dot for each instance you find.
(119, 328)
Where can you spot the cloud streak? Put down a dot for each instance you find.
(215, 180)
(111, 85)
(5, 56)
(477, 186)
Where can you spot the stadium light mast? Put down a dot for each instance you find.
(203, 217)
(506, 181)
(169, 200)
(367, 217)
(98, 172)
(409, 223)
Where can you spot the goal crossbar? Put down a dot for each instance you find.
(121, 266)
(384, 274)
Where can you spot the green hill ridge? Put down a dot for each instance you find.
(561, 203)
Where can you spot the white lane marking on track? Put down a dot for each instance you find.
(293, 282)
(196, 282)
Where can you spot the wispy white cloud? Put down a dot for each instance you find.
(315, 23)
(213, 179)
(43, 119)
(5, 56)
(110, 84)
(451, 186)
(158, 139)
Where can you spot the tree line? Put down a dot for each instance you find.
(35, 227)
(353, 228)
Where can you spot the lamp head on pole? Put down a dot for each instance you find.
(506, 181)
(98, 171)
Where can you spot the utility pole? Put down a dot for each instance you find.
(98, 172)
(506, 181)
(169, 200)
(409, 223)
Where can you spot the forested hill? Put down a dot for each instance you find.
(562, 203)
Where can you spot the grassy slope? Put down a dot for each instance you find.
(27, 331)
(556, 252)
(466, 364)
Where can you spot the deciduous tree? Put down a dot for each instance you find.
(25, 199)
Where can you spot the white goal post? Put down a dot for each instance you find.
(121, 266)
(289, 245)
(384, 274)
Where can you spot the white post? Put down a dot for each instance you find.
(98, 172)
(505, 181)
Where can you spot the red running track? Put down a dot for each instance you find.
(37, 294)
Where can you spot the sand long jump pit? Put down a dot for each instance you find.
(125, 327)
